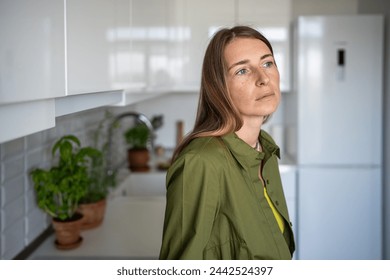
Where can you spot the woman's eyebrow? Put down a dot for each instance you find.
(266, 55)
(245, 61)
(241, 62)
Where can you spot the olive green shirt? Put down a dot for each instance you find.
(216, 207)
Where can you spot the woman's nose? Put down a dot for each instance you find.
(262, 77)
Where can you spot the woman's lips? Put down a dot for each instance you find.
(265, 96)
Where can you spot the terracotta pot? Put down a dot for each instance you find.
(138, 160)
(93, 214)
(68, 232)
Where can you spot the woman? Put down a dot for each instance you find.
(224, 193)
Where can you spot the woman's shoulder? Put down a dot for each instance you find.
(207, 150)
(205, 146)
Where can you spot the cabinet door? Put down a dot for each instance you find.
(272, 19)
(121, 60)
(288, 176)
(32, 50)
(91, 37)
(339, 213)
(196, 22)
(149, 46)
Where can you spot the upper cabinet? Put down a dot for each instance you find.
(144, 45)
(91, 35)
(65, 56)
(272, 19)
(121, 63)
(195, 22)
(52, 51)
(149, 52)
(32, 50)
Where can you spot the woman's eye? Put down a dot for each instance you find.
(268, 64)
(241, 72)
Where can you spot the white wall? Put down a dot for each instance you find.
(383, 6)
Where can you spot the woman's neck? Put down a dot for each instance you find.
(249, 132)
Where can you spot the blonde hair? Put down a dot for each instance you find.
(217, 115)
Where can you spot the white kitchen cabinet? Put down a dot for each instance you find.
(121, 60)
(288, 174)
(272, 19)
(149, 50)
(23, 118)
(145, 69)
(196, 22)
(90, 43)
(32, 50)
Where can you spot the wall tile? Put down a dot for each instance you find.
(11, 149)
(12, 189)
(34, 141)
(12, 240)
(12, 212)
(35, 159)
(30, 199)
(36, 222)
(13, 168)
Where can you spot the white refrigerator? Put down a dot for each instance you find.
(338, 73)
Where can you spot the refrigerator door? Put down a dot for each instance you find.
(339, 87)
(339, 213)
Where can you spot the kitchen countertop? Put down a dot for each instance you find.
(133, 223)
(131, 229)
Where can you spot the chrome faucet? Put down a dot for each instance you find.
(139, 117)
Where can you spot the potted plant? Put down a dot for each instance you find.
(138, 155)
(93, 203)
(59, 189)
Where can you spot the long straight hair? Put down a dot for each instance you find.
(217, 115)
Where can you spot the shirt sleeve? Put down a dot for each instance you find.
(192, 204)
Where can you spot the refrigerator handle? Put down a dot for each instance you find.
(340, 64)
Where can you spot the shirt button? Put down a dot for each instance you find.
(277, 202)
(267, 182)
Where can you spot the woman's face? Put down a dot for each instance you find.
(252, 77)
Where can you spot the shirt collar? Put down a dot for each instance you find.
(269, 144)
(247, 155)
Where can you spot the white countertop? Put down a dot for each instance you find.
(131, 229)
(133, 224)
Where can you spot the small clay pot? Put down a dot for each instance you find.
(138, 160)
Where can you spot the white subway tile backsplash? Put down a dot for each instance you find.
(12, 212)
(50, 135)
(34, 141)
(35, 158)
(12, 240)
(12, 148)
(13, 167)
(21, 221)
(30, 199)
(12, 189)
(36, 222)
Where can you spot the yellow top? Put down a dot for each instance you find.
(277, 215)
